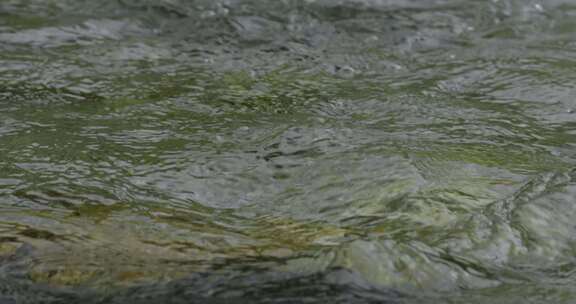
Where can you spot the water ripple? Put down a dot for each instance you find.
(289, 151)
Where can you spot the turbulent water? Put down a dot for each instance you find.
(288, 151)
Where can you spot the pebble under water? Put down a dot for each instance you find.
(289, 151)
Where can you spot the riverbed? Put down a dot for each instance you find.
(293, 151)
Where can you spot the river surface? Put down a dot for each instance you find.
(289, 151)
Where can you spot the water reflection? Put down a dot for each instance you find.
(322, 151)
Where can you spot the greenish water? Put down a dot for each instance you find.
(313, 151)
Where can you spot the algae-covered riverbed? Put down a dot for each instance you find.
(290, 151)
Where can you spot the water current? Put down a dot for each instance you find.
(287, 151)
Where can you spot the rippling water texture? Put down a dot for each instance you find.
(325, 151)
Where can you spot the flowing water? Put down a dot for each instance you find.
(289, 151)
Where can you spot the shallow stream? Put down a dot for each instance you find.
(289, 151)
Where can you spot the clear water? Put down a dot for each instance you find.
(313, 151)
